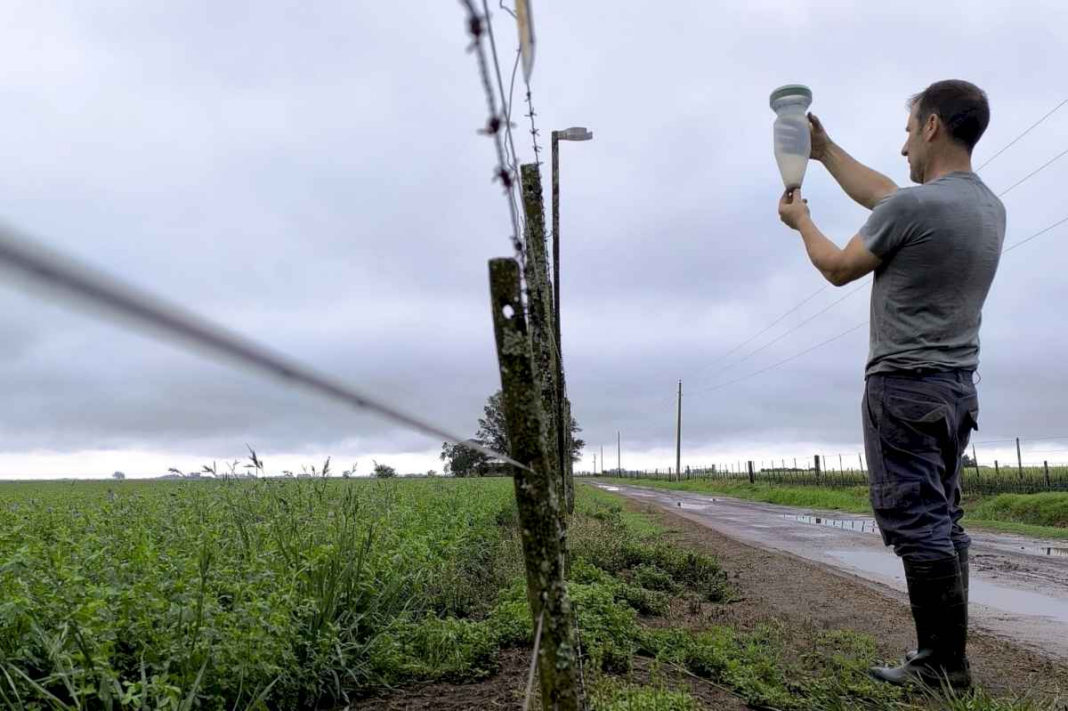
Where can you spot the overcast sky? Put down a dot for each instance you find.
(310, 175)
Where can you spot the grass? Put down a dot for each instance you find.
(301, 594)
(1049, 510)
(1043, 515)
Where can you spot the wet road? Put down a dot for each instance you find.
(1019, 586)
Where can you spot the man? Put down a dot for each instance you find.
(934, 249)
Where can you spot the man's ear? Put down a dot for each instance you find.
(931, 127)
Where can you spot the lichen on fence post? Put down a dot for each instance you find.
(542, 329)
(544, 545)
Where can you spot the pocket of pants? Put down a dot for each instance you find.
(894, 495)
(913, 423)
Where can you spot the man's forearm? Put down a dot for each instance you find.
(824, 254)
(860, 182)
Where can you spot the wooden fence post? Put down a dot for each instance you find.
(1045, 466)
(817, 460)
(752, 476)
(544, 542)
(540, 300)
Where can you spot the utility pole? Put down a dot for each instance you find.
(678, 439)
(619, 455)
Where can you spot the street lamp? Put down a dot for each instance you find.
(563, 442)
(575, 133)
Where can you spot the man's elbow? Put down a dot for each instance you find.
(841, 276)
(877, 195)
(837, 279)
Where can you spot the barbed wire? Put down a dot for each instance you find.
(534, 132)
(85, 286)
(476, 28)
(506, 110)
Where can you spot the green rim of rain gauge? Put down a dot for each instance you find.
(790, 90)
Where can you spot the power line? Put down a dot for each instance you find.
(1029, 128)
(781, 336)
(760, 333)
(809, 298)
(850, 330)
(1034, 172)
(1014, 245)
(81, 284)
(784, 361)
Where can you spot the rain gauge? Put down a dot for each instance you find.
(793, 143)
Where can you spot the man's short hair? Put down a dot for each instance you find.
(960, 105)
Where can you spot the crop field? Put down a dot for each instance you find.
(326, 594)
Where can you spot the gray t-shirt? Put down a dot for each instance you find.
(940, 244)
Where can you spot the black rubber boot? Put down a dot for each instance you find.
(936, 594)
(962, 558)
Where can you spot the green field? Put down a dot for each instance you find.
(302, 594)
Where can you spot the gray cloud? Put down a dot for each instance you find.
(312, 177)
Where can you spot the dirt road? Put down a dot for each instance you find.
(1019, 588)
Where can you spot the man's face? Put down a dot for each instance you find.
(915, 148)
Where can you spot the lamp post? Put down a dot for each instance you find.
(575, 133)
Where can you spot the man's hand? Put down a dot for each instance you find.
(821, 142)
(793, 210)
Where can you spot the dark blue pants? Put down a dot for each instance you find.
(916, 429)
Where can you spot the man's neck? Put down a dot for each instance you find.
(951, 162)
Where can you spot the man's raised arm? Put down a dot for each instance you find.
(860, 182)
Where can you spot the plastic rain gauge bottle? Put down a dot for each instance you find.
(793, 143)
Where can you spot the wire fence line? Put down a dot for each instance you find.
(478, 26)
(983, 471)
(506, 108)
(80, 284)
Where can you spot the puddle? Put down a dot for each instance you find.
(981, 592)
(863, 525)
(1045, 550)
(691, 507)
(611, 488)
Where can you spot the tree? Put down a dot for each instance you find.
(384, 471)
(118, 476)
(577, 443)
(968, 461)
(492, 430)
(461, 461)
(492, 433)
